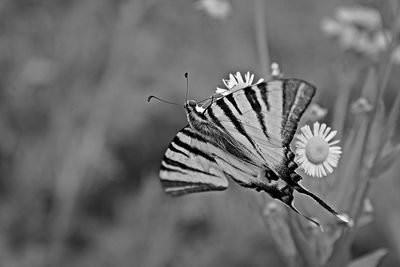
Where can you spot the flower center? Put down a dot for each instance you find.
(317, 150)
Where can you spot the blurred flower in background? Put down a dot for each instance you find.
(219, 9)
(359, 29)
(276, 71)
(361, 105)
(315, 112)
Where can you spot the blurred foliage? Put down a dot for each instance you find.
(80, 147)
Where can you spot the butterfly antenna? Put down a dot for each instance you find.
(187, 86)
(204, 100)
(162, 100)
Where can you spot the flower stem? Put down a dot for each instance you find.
(261, 36)
(383, 82)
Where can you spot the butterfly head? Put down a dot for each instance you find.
(195, 114)
(190, 105)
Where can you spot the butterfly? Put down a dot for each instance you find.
(244, 136)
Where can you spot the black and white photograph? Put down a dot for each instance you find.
(199, 133)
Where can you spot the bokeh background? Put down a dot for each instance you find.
(80, 147)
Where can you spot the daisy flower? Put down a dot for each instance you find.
(315, 152)
(236, 82)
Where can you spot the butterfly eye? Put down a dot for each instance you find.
(192, 103)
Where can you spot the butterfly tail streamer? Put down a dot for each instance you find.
(286, 196)
(306, 217)
(304, 191)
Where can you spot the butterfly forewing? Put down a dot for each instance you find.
(188, 166)
(253, 116)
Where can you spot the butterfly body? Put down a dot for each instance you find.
(244, 136)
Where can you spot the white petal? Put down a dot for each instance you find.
(239, 78)
(300, 160)
(250, 80)
(316, 128)
(335, 152)
(322, 129)
(327, 131)
(300, 145)
(323, 171)
(330, 136)
(307, 131)
(328, 167)
(247, 78)
(333, 162)
(317, 171)
(333, 157)
(225, 83)
(220, 90)
(334, 142)
(301, 151)
(302, 138)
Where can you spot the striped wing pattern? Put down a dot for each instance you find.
(244, 136)
(296, 95)
(263, 118)
(188, 166)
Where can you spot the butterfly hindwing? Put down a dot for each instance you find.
(188, 167)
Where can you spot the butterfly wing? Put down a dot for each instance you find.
(264, 119)
(245, 136)
(188, 166)
(297, 95)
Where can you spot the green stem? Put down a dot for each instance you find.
(261, 36)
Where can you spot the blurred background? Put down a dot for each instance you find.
(80, 147)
